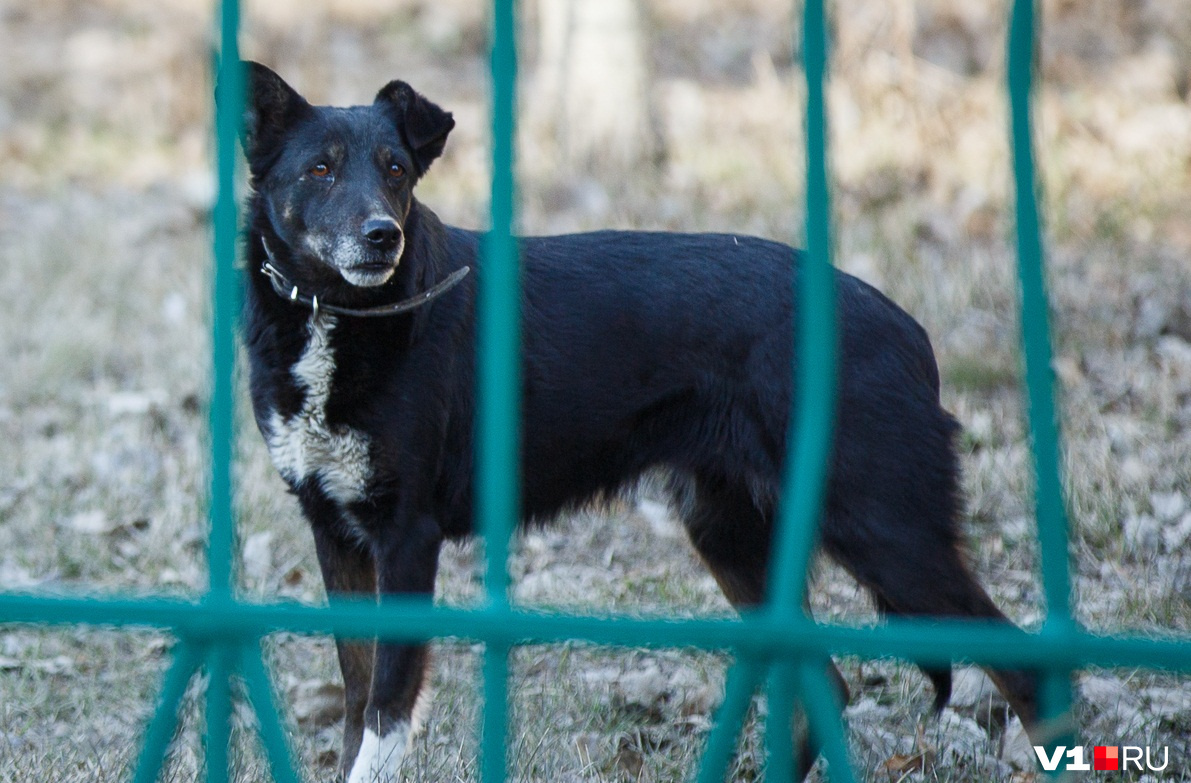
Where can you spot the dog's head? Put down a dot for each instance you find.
(336, 184)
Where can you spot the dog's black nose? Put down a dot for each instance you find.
(381, 232)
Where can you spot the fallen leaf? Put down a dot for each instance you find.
(629, 758)
(901, 763)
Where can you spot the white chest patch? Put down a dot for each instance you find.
(304, 446)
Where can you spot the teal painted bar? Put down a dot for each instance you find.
(1052, 518)
(782, 688)
(499, 345)
(755, 636)
(494, 732)
(742, 683)
(821, 700)
(165, 721)
(1050, 508)
(225, 293)
(219, 712)
(498, 328)
(272, 727)
(810, 433)
(812, 422)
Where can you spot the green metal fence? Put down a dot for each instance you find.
(777, 646)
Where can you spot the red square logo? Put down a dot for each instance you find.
(1106, 758)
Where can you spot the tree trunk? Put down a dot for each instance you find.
(591, 98)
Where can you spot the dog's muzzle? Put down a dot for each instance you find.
(372, 258)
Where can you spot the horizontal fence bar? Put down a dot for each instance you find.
(753, 635)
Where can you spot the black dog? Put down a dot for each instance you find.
(641, 351)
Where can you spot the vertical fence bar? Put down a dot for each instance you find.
(809, 438)
(225, 297)
(272, 732)
(743, 679)
(782, 757)
(498, 340)
(495, 734)
(498, 326)
(812, 419)
(1050, 510)
(1052, 518)
(161, 728)
(820, 697)
(219, 712)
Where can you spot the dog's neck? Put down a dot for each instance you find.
(284, 288)
(273, 267)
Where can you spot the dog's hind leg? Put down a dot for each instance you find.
(915, 569)
(732, 535)
(349, 570)
(406, 564)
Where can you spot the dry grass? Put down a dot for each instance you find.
(104, 133)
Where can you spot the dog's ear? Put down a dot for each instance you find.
(271, 107)
(424, 124)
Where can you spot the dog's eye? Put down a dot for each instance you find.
(396, 171)
(320, 170)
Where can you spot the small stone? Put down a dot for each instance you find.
(1135, 470)
(1176, 352)
(1168, 505)
(135, 403)
(1176, 534)
(1142, 532)
(1016, 749)
(962, 737)
(1169, 704)
(1101, 691)
(971, 688)
(94, 522)
(258, 556)
(1152, 316)
(643, 691)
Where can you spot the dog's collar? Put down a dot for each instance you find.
(287, 290)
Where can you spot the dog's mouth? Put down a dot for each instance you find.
(362, 267)
(369, 274)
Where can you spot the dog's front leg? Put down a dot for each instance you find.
(349, 570)
(406, 561)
